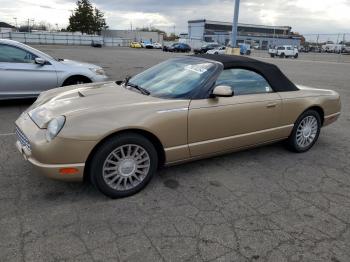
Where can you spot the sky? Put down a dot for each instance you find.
(305, 16)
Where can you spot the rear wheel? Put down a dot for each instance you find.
(123, 165)
(282, 55)
(305, 132)
(296, 55)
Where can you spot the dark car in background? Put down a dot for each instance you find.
(97, 43)
(206, 48)
(178, 47)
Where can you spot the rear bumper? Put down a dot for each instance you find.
(54, 171)
(330, 119)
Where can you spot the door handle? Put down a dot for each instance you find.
(271, 105)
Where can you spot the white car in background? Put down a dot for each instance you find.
(217, 51)
(25, 72)
(284, 51)
(157, 46)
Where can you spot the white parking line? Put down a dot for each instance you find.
(7, 134)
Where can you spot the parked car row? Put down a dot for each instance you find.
(147, 45)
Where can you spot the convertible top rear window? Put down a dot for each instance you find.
(276, 79)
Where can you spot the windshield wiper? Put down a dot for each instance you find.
(137, 87)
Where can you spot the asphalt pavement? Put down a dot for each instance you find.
(264, 204)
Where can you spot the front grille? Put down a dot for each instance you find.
(22, 138)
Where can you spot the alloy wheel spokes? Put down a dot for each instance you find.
(126, 167)
(307, 131)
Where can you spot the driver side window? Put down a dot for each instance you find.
(11, 54)
(244, 82)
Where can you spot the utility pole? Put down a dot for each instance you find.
(28, 26)
(15, 18)
(235, 24)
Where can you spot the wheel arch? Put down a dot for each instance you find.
(318, 109)
(147, 134)
(78, 76)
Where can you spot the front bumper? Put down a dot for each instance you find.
(53, 170)
(99, 78)
(53, 158)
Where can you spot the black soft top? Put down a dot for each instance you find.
(277, 80)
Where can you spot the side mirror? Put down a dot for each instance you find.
(40, 61)
(222, 91)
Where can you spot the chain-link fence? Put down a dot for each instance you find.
(63, 39)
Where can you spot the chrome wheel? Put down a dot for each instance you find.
(307, 131)
(126, 167)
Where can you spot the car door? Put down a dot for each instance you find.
(251, 117)
(289, 51)
(21, 76)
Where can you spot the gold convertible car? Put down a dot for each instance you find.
(117, 135)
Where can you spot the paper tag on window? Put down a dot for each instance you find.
(199, 68)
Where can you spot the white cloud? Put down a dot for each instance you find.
(305, 16)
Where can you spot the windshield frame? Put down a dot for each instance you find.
(199, 92)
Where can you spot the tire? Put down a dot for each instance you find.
(248, 52)
(282, 55)
(309, 119)
(76, 80)
(296, 55)
(272, 55)
(123, 152)
(216, 53)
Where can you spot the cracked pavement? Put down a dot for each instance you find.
(264, 204)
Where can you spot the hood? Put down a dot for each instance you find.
(82, 99)
(78, 64)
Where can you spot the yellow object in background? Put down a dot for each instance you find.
(232, 51)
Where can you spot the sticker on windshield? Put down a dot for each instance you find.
(199, 68)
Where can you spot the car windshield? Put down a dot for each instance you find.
(175, 78)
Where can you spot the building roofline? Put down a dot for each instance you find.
(239, 24)
(6, 25)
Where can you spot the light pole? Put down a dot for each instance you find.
(15, 18)
(235, 24)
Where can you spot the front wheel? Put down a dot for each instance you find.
(305, 132)
(123, 165)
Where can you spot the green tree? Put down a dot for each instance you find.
(86, 19)
(99, 21)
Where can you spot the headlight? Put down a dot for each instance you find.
(98, 71)
(54, 127)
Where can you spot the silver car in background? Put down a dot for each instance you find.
(25, 71)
